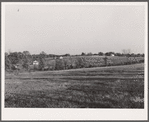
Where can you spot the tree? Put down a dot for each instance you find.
(7, 63)
(118, 54)
(132, 54)
(126, 52)
(109, 53)
(83, 54)
(25, 63)
(100, 53)
(67, 63)
(89, 54)
(14, 58)
(67, 54)
(80, 62)
(43, 54)
(26, 53)
(41, 63)
(27, 58)
(142, 55)
(20, 55)
(59, 64)
(95, 54)
(138, 55)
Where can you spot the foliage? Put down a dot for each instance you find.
(68, 62)
(109, 53)
(25, 63)
(83, 54)
(118, 54)
(26, 53)
(43, 54)
(59, 64)
(67, 54)
(100, 53)
(89, 54)
(14, 57)
(80, 62)
(41, 63)
(7, 63)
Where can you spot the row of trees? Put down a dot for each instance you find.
(115, 54)
(25, 59)
(70, 64)
(45, 55)
(94, 54)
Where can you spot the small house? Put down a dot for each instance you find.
(60, 57)
(35, 62)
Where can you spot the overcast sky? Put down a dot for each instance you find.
(73, 29)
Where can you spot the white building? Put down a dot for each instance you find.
(112, 55)
(35, 62)
(61, 57)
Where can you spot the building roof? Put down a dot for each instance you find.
(35, 61)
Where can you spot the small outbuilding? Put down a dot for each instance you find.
(112, 55)
(60, 57)
(35, 64)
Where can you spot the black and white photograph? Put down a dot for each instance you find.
(81, 58)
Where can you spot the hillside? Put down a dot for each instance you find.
(100, 87)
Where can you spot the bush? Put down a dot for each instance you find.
(67, 64)
(59, 64)
(41, 63)
(80, 62)
(141, 61)
(14, 58)
(7, 63)
(51, 65)
(25, 64)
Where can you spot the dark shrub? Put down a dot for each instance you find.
(80, 62)
(59, 64)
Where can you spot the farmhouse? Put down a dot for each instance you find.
(35, 62)
(112, 55)
(60, 57)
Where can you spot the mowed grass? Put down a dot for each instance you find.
(102, 87)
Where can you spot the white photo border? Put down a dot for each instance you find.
(73, 114)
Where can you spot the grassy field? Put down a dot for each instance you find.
(100, 87)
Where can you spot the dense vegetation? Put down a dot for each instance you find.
(52, 62)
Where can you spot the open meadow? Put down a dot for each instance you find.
(98, 87)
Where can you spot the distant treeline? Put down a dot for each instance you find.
(113, 53)
(82, 54)
(25, 59)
